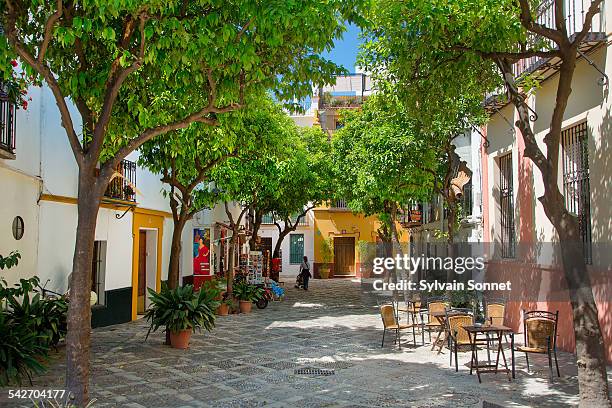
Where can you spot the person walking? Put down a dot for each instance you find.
(305, 272)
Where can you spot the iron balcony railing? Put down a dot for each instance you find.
(8, 124)
(340, 204)
(575, 12)
(123, 185)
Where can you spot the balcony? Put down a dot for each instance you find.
(8, 126)
(411, 216)
(339, 205)
(340, 100)
(123, 185)
(575, 11)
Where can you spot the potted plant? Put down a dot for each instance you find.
(327, 256)
(247, 294)
(225, 306)
(181, 311)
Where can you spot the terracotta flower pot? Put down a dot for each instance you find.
(223, 309)
(245, 306)
(324, 272)
(180, 340)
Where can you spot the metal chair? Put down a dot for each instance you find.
(540, 330)
(434, 305)
(390, 322)
(495, 310)
(455, 321)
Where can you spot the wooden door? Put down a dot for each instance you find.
(344, 256)
(142, 270)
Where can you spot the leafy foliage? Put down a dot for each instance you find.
(9, 261)
(246, 292)
(182, 309)
(29, 325)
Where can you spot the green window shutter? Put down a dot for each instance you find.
(296, 248)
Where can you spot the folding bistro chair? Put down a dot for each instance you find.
(434, 305)
(455, 321)
(391, 322)
(540, 330)
(495, 310)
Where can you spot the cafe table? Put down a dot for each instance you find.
(496, 334)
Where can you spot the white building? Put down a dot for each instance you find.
(38, 180)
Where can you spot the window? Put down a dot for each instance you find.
(18, 228)
(267, 219)
(8, 112)
(296, 248)
(466, 200)
(506, 204)
(576, 186)
(123, 185)
(98, 271)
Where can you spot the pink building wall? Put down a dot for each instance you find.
(531, 281)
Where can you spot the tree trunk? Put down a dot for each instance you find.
(590, 350)
(79, 309)
(175, 254)
(257, 220)
(230, 261)
(281, 238)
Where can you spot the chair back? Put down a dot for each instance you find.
(540, 329)
(436, 306)
(455, 325)
(387, 313)
(495, 310)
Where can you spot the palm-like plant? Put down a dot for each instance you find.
(182, 309)
(246, 292)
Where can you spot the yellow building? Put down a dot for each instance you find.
(348, 234)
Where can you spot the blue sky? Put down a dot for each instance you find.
(345, 50)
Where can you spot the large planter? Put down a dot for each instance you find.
(324, 272)
(223, 309)
(245, 306)
(180, 340)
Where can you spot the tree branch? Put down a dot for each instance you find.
(116, 77)
(49, 31)
(512, 56)
(588, 21)
(244, 28)
(45, 72)
(527, 22)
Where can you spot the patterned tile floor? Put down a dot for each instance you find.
(250, 361)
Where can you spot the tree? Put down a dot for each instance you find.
(137, 69)
(436, 47)
(249, 179)
(305, 180)
(382, 161)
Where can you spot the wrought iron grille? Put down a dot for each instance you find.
(574, 12)
(467, 200)
(342, 204)
(506, 204)
(267, 218)
(576, 186)
(123, 184)
(8, 123)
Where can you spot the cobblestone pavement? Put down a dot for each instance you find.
(251, 361)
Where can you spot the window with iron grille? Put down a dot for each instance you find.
(8, 111)
(576, 186)
(506, 204)
(98, 271)
(466, 200)
(296, 248)
(267, 219)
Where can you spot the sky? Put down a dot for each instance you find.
(345, 50)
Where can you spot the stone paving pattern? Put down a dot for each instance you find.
(250, 361)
